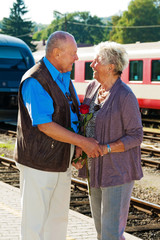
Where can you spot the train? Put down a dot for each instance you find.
(142, 74)
(15, 59)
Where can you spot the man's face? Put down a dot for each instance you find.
(67, 55)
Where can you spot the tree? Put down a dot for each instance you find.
(0, 24)
(134, 24)
(16, 26)
(85, 28)
(114, 34)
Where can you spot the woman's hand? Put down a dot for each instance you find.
(78, 152)
(104, 149)
(79, 164)
(116, 146)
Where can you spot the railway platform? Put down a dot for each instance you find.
(80, 227)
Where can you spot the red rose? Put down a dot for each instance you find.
(84, 109)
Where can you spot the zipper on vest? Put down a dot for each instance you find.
(52, 145)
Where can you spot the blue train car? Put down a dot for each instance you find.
(15, 59)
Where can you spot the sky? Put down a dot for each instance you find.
(41, 11)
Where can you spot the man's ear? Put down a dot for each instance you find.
(56, 52)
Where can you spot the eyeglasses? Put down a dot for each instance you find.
(70, 101)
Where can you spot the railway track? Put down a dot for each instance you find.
(10, 167)
(139, 209)
(138, 203)
(8, 132)
(151, 163)
(151, 123)
(152, 137)
(151, 134)
(148, 153)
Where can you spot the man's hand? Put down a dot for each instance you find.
(91, 147)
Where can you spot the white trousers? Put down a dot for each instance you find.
(45, 200)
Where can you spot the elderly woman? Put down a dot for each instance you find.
(116, 125)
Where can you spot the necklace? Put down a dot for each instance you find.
(102, 94)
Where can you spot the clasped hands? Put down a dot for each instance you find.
(96, 152)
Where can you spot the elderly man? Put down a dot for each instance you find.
(48, 106)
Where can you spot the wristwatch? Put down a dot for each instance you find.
(108, 148)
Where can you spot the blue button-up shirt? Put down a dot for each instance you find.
(39, 103)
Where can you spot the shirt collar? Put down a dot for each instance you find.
(56, 75)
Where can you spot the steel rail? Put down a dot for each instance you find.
(151, 120)
(9, 161)
(140, 204)
(8, 132)
(151, 207)
(150, 162)
(152, 138)
(153, 151)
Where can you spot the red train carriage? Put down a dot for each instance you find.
(142, 73)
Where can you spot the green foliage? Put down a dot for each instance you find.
(37, 36)
(140, 13)
(131, 26)
(82, 25)
(0, 24)
(39, 26)
(16, 26)
(113, 34)
(89, 29)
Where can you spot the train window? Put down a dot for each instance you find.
(15, 59)
(136, 70)
(155, 70)
(88, 71)
(11, 57)
(72, 72)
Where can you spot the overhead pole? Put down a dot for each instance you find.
(65, 19)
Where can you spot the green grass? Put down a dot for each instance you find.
(8, 145)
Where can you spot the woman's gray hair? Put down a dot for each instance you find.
(56, 39)
(112, 53)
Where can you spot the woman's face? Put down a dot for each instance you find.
(100, 72)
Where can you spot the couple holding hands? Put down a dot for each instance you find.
(48, 106)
